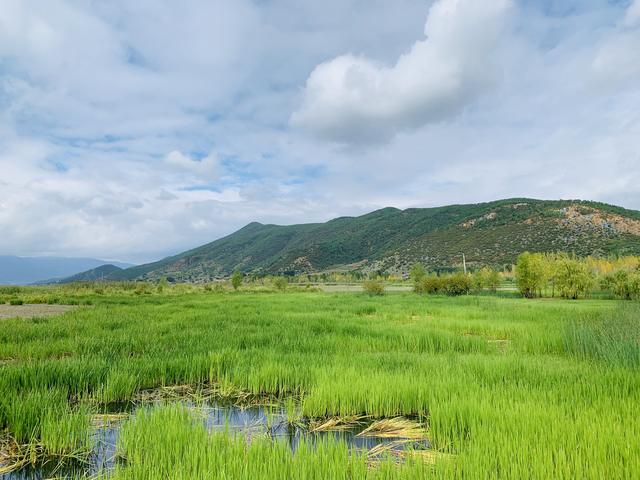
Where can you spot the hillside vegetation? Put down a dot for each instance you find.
(392, 240)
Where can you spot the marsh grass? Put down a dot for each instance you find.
(170, 443)
(612, 338)
(560, 402)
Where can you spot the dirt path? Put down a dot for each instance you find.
(29, 311)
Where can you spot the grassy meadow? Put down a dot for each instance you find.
(507, 387)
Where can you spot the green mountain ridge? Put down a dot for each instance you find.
(391, 240)
(103, 272)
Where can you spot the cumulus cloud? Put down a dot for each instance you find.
(356, 99)
(106, 121)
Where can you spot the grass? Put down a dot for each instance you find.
(614, 340)
(503, 388)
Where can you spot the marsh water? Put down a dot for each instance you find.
(246, 421)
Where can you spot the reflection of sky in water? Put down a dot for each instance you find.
(250, 422)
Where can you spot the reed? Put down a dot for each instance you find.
(559, 402)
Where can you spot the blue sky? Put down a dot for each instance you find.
(131, 130)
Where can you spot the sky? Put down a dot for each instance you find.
(133, 130)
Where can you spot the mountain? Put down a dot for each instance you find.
(392, 240)
(103, 272)
(26, 270)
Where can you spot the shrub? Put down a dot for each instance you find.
(280, 283)
(486, 278)
(430, 284)
(236, 279)
(162, 284)
(417, 273)
(10, 290)
(16, 301)
(457, 284)
(373, 287)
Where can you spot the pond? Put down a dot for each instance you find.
(362, 433)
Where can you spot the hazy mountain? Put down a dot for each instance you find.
(392, 240)
(103, 272)
(25, 270)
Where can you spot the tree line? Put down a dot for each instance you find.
(542, 274)
(567, 276)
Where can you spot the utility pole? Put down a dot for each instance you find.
(464, 264)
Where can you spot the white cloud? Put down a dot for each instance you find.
(207, 167)
(632, 18)
(356, 99)
(617, 62)
(109, 109)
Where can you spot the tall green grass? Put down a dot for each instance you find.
(168, 442)
(509, 388)
(613, 338)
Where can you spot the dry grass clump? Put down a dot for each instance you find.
(397, 427)
(337, 424)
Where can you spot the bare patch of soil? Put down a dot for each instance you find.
(33, 310)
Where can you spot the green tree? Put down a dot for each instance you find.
(623, 284)
(551, 263)
(531, 274)
(236, 279)
(493, 280)
(477, 281)
(573, 278)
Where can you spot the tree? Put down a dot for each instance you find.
(493, 279)
(623, 284)
(236, 279)
(573, 278)
(417, 273)
(531, 274)
(550, 262)
(477, 280)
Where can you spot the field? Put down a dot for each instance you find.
(504, 387)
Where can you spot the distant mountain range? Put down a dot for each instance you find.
(392, 240)
(27, 270)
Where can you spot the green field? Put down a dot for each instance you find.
(507, 388)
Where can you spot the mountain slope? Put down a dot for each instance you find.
(25, 270)
(392, 240)
(98, 274)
